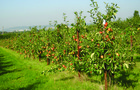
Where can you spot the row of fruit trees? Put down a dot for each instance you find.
(102, 50)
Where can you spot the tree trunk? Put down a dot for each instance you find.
(40, 57)
(105, 79)
(48, 61)
(79, 74)
(78, 50)
(33, 56)
(131, 46)
(78, 44)
(105, 76)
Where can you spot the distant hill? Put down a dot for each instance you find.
(22, 28)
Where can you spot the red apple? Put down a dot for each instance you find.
(102, 56)
(100, 32)
(106, 24)
(117, 54)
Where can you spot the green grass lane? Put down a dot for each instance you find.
(18, 73)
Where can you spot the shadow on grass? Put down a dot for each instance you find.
(99, 81)
(138, 50)
(137, 59)
(65, 78)
(94, 81)
(4, 65)
(127, 79)
(31, 86)
(34, 86)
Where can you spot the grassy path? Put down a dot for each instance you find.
(17, 73)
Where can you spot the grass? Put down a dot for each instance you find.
(17, 73)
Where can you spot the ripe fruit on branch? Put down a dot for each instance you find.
(47, 55)
(53, 54)
(108, 39)
(109, 54)
(64, 51)
(109, 29)
(111, 42)
(92, 40)
(64, 66)
(52, 61)
(75, 39)
(82, 36)
(73, 36)
(106, 24)
(117, 54)
(102, 56)
(106, 36)
(52, 48)
(73, 52)
(80, 41)
(55, 57)
(103, 37)
(80, 47)
(59, 68)
(100, 32)
(113, 37)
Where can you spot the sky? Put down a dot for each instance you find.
(39, 12)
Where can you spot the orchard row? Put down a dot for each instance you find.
(104, 49)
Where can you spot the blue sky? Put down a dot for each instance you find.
(40, 12)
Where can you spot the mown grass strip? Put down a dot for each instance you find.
(18, 73)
